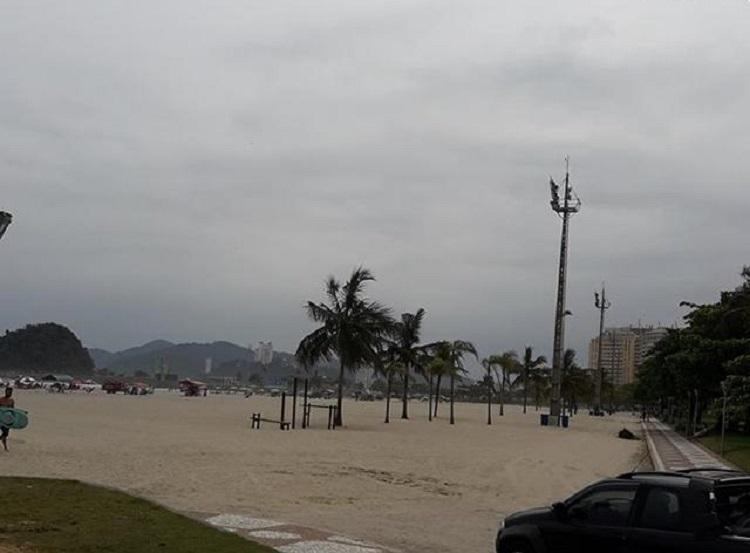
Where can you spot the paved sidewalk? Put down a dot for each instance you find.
(672, 451)
(289, 538)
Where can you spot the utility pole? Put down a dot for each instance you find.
(612, 375)
(724, 387)
(602, 304)
(569, 205)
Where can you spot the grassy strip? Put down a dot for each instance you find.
(736, 448)
(67, 516)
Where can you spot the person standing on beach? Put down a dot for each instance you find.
(6, 401)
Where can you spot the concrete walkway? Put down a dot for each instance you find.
(288, 538)
(672, 451)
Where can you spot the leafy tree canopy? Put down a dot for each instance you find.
(714, 344)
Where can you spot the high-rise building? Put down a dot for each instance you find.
(623, 351)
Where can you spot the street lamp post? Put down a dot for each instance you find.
(602, 304)
(723, 415)
(5, 220)
(566, 206)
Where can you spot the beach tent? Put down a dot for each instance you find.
(193, 387)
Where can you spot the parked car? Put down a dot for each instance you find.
(114, 386)
(690, 511)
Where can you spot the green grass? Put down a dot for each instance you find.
(67, 516)
(736, 448)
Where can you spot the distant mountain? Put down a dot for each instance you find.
(102, 358)
(46, 347)
(189, 360)
(145, 349)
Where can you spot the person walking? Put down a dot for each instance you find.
(8, 402)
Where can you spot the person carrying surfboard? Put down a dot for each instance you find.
(6, 401)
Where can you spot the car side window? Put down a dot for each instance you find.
(661, 510)
(609, 507)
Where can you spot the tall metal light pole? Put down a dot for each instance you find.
(602, 304)
(565, 207)
(5, 220)
(724, 386)
(612, 372)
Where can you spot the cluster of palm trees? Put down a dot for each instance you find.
(360, 332)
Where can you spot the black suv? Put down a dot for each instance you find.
(700, 510)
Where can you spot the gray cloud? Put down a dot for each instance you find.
(193, 170)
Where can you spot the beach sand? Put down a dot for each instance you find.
(414, 485)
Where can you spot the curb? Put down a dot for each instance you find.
(656, 459)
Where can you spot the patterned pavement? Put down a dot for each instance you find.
(288, 538)
(672, 451)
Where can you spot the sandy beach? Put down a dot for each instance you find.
(415, 485)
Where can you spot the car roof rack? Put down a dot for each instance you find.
(709, 469)
(673, 474)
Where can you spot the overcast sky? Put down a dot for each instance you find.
(193, 170)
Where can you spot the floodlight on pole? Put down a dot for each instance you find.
(565, 207)
(5, 220)
(602, 304)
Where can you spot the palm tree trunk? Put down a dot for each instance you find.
(388, 399)
(437, 394)
(453, 420)
(525, 387)
(489, 398)
(429, 405)
(340, 402)
(502, 393)
(405, 406)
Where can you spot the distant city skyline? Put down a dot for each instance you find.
(195, 174)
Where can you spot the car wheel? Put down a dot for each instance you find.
(515, 546)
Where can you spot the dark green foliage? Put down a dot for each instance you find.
(353, 328)
(714, 344)
(404, 351)
(447, 358)
(46, 347)
(530, 364)
(577, 384)
(65, 516)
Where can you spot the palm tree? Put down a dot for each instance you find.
(404, 350)
(529, 364)
(576, 384)
(437, 368)
(353, 329)
(386, 366)
(508, 364)
(390, 370)
(448, 359)
(541, 382)
(490, 386)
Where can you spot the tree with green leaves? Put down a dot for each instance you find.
(353, 329)
(504, 365)
(490, 384)
(577, 385)
(404, 350)
(530, 364)
(448, 359)
(714, 344)
(541, 382)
